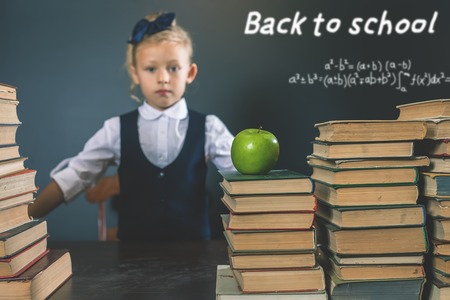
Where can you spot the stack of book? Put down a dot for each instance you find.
(370, 227)
(28, 269)
(271, 238)
(435, 188)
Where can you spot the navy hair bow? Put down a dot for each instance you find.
(146, 27)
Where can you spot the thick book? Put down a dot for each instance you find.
(438, 129)
(17, 183)
(269, 240)
(364, 163)
(40, 280)
(436, 274)
(400, 289)
(369, 271)
(386, 240)
(354, 150)
(280, 280)
(435, 108)
(271, 221)
(13, 217)
(269, 203)
(8, 133)
(8, 92)
(435, 184)
(271, 259)
(367, 195)
(17, 238)
(372, 216)
(437, 207)
(9, 152)
(379, 259)
(12, 165)
(16, 264)
(438, 164)
(276, 181)
(8, 111)
(439, 247)
(441, 263)
(25, 198)
(370, 130)
(373, 176)
(438, 290)
(439, 228)
(227, 288)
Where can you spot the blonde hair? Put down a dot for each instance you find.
(174, 34)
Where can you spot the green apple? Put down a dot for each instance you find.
(254, 151)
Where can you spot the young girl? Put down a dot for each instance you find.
(162, 148)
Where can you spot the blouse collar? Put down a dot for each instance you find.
(177, 111)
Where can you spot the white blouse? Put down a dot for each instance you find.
(161, 135)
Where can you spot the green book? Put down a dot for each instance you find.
(275, 182)
(436, 184)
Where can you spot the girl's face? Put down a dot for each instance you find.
(162, 70)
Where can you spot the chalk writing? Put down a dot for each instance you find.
(346, 74)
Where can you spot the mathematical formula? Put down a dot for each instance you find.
(343, 73)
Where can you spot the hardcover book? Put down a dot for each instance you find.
(436, 184)
(8, 92)
(41, 279)
(363, 149)
(437, 207)
(440, 247)
(441, 263)
(17, 183)
(269, 221)
(359, 241)
(12, 165)
(376, 176)
(25, 198)
(438, 290)
(370, 130)
(435, 108)
(227, 288)
(439, 164)
(438, 129)
(17, 238)
(365, 163)
(8, 111)
(270, 203)
(439, 228)
(8, 133)
(9, 152)
(276, 181)
(367, 195)
(13, 217)
(372, 216)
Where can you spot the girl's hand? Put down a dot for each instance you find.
(106, 187)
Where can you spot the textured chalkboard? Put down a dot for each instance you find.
(283, 65)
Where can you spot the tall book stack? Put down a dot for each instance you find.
(435, 189)
(28, 269)
(271, 238)
(370, 227)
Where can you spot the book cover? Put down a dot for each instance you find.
(299, 202)
(41, 279)
(436, 184)
(17, 238)
(367, 195)
(364, 163)
(359, 241)
(370, 130)
(372, 216)
(276, 181)
(337, 150)
(227, 288)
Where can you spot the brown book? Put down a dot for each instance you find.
(440, 247)
(370, 271)
(439, 164)
(439, 228)
(269, 203)
(364, 163)
(437, 207)
(370, 130)
(8, 92)
(435, 184)
(9, 152)
(436, 274)
(18, 238)
(363, 149)
(280, 280)
(435, 108)
(12, 165)
(372, 216)
(379, 259)
(274, 182)
(271, 259)
(438, 129)
(269, 240)
(380, 176)
(8, 111)
(41, 279)
(13, 217)
(269, 221)
(441, 263)
(16, 264)
(367, 195)
(17, 183)
(25, 198)
(385, 240)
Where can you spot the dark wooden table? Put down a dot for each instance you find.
(119, 270)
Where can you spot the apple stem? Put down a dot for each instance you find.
(259, 129)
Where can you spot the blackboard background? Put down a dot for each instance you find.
(66, 58)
